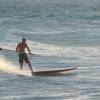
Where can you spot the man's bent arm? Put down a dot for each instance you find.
(28, 49)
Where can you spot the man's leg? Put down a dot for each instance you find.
(28, 62)
(21, 61)
(21, 66)
(30, 68)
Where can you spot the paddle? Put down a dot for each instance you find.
(12, 50)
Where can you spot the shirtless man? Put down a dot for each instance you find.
(20, 49)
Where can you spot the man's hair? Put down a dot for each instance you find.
(23, 39)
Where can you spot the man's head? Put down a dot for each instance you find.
(23, 40)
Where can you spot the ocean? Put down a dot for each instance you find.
(61, 34)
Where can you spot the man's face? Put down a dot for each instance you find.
(24, 41)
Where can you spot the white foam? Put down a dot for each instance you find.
(7, 67)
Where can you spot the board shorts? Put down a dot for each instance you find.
(22, 58)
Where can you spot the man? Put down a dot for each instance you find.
(20, 49)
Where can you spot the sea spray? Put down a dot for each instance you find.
(8, 67)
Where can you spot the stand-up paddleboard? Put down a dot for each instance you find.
(53, 72)
(56, 72)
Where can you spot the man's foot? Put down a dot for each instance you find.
(32, 73)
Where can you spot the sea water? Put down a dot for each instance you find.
(61, 34)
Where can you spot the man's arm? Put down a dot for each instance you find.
(28, 49)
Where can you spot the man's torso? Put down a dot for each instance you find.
(21, 48)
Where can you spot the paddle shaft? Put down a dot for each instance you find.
(12, 51)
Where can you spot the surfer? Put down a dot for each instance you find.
(20, 49)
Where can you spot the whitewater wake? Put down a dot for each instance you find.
(7, 67)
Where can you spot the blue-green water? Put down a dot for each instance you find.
(62, 33)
